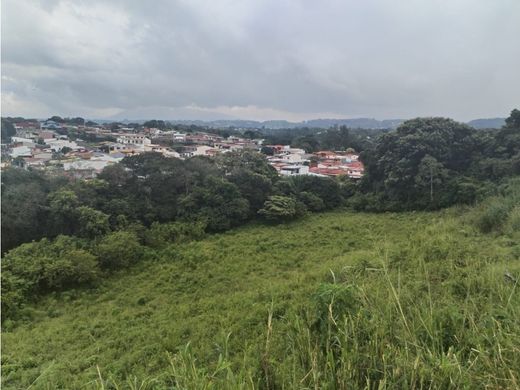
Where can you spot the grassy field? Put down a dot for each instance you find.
(334, 301)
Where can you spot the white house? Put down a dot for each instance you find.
(292, 158)
(133, 139)
(57, 145)
(22, 140)
(179, 137)
(289, 170)
(21, 151)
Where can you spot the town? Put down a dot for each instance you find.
(83, 149)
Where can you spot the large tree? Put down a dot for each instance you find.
(8, 130)
(408, 167)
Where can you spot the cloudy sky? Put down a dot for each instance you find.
(260, 59)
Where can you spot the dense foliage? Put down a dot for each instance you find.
(8, 130)
(315, 139)
(220, 193)
(429, 163)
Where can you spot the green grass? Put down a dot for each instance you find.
(337, 300)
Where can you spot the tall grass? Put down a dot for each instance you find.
(501, 213)
(431, 320)
(338, 301)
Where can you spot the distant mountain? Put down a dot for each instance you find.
(488, 123)
(354, 123)
(360, 123)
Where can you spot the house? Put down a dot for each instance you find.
(57, 145)
(133, 139)
(31, 162)
(203, 150)
(21, 151)
(22, 141)
(329, 171)
(166, 152)
(289, 170)
(46, 135)
(178, 137)
(42, 155)
(325, 154)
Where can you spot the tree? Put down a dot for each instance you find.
(309, 143)
(252, 134)
(252, 186)
(57, 119)
(325, 188)
(508, 138)
(65, 150)
(63, 204)
(23, 207)
(91, 223)
(268, 151)
(311, 201)
(217, 203)
(420, 154)
(161, 125)
(430, 175)
(513, 121)
(337, 138)
(8, 130)
(281, 208)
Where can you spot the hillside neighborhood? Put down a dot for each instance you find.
(84, 150)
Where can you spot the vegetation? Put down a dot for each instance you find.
(8, 130)
(121, 286)
(426, 164)
(218, 193)
(335, 300)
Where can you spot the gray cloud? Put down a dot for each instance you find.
(263, 59)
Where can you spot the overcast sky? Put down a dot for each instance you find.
(260, 59)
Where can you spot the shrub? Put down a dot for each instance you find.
(279, 208)
(493, 215)
(160, 234)
(311, 201)
(118, 250)
(92, 223)
(37, 267)
(513, 222)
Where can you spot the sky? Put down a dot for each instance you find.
(260, 59)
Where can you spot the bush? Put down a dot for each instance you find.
(325, 188)
(513, 222)
(218, 203)
(280, 208)
(311, 201)
(92, 223)
(42, 266)
(493, 215)
(161, 234)
(119, 250)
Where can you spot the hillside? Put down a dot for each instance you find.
(336, 300)
(487, 123)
